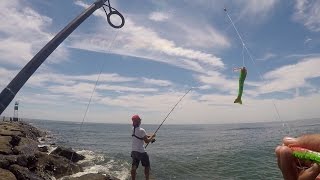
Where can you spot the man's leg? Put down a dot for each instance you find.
(133, 172)
(146, 172)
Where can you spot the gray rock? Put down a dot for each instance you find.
(21, 160)
(26, 146)
(23, 173)
(55, 165)
(5, 146)
(68, 153)
(7, 175)
(15, 140)
(43, 149)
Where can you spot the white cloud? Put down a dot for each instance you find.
(207, 37)
(307, 13)
(257, 8)
(307, 40)
(139, 41)
(125, 89)
(158, 16)
(219, 81)
(41, 79)
(143, 42)
(80, 87)
(25, 31)
(267, 56)
(157, 82)
(6, 76)
(291, 76)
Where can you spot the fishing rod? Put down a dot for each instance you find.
(8, 93)
(170, 113)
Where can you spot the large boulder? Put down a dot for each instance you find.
(55, 165)
(7, 175)
(7, 160)
(68, 153)
(43, 149)
(5, 146)
(26, 146)
(21, 160)
(23, 173)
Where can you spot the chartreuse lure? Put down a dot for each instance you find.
(243, 75)
(306, 154)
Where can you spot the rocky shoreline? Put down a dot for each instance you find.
(21, 157)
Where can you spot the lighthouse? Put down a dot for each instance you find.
(15, 112)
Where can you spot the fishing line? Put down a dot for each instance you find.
(253, 61)
(171, 112)
(92, 93)
(243, 64)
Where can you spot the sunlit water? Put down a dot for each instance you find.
(231, 151)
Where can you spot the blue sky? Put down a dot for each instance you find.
(165, 48)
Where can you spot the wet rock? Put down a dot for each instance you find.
(68, 153)
(7, 160)
(92, 177)
(5, 146)
(26, 146)
(55, 165)
(20, 154)
(22, 160)
(7, 175)
(15, 140)
(23, 173)
(43, 149)
(4, 163)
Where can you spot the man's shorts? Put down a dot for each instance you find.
(138, 156)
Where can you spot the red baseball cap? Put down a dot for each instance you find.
(135, 118)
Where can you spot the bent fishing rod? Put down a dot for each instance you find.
(8, 93)
(170, 113)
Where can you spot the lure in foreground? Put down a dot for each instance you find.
(306, 154)
(243, 75)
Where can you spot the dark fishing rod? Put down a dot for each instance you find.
(8, 93)
(170, 113)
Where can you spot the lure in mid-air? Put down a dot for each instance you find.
(306, 154)
(243, 75)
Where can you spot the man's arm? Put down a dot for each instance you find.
(148, 139)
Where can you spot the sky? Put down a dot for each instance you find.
(165, 48)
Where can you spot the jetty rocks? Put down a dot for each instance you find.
(22, 159)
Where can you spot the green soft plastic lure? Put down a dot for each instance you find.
(243, 75)
(306, 154)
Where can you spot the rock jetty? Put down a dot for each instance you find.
(21, 158)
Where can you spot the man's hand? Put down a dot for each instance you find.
(289, 164)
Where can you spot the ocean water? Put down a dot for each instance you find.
(186, 152)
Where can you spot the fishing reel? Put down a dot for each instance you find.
(153, 140)
(113, 11)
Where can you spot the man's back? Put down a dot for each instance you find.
(137, 140)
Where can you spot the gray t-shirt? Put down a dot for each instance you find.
(137, 144)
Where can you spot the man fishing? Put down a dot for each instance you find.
(138, 152)
(243, 74)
